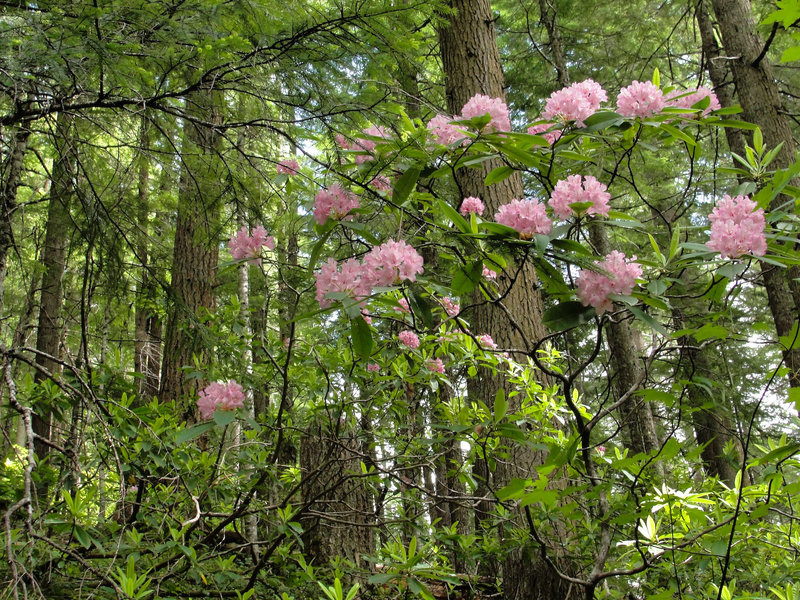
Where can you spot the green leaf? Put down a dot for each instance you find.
(677, 133)
(421, 308)
(656, 77)
(184, 435)
(361, 335)
(567, 315)
(405, 185)
(513, 490)
(224, 417)
(500, 405)
(498, 174)
(467, 278)
(791, 341)
(452, 214)
(794, 396)
(779, 454)
(317, 250)
(648, 320)
(709, 331)
(791, 54)
(82, 536)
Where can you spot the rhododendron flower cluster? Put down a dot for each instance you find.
(488, 273)
(402, 306)
(382, 184)
(249, 246)
(687, 101)
(443, 131)
(392, 262)
(487, 341)
(574, 103)
(640, 99)
(480, 105)
(409, 339)
(571, 190)
(543, 129)
(472, 205)
(288, 167)
(435, 365)
(220, 396)
(737, 228)
(619, 278)
(384, 265)
(373, 367)
(334, 202)
(368, 145)
(450, 307)
(348, 277)
(526, 216)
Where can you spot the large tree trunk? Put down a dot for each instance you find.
(472, 66)
(761, 104)
(48, 333)
(195, 254)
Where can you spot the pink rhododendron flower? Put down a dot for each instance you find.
(342, 142)
(619, 278)
(403, 306)
(334, 202)
(576, 103)
(392, 262)
(692, 99)
(409, 339)
(367, 145)
(382, 184)
(571, 190)
(472, 205)
(288, 167)
(435, 365)
(450, 307)
(249, 246)
(443, 131)
(367, 318)
(373, 367)
(488, 273)
(220, 396)
(640, 99)
(543, 129)
(526, 216)
(347, 277)
(479, 105)
(487, 341)
(737, 228)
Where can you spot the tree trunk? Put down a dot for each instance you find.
(195, 254)
(471, 63)
(48, 333)
(147, 323)
(761, 104)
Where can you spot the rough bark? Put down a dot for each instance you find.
(195, 253)
(48, 333)
(471, 63)
(761, 104)
(339, 516)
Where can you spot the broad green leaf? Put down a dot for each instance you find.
(777, 455)
(567, 315)
(467, 278)
(648, 320)
(500, 405)
(361, 334)
(184, 435)
(498, 174)
(405, 185)
(452, 214)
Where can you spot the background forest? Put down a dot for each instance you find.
(396, 299)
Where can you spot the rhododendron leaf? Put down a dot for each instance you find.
(513, 490)
(648, 320)
(224, 417)
(466, 278)
(502, 230)
(656, 77)
(421, 308)
(601, 120)
(317, 250)
(574, 156)
(451, 213)
(361, 334)
(499, 174)
(184, 435)
(677, 133)
(777, 455)
(495, 260)
(651, 301)
(731, 122)
(567, 315)
(405, 185)
(732, 270)
(709, 331)
(572, 246)
(500, 405)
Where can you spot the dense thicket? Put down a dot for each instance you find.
(277, 320)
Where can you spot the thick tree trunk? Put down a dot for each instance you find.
(471, 64)
(761, 104)
(195, 254)
(48, 333)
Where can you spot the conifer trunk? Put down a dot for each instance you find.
(195, 252)
(761, 104)
(48, 332)
(471, 63)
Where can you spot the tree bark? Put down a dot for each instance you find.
(471, 63)
(195, 253)
(48, 333)
(761, 104)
